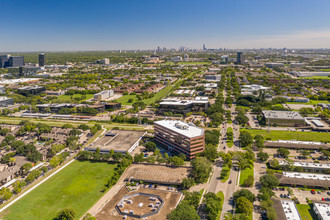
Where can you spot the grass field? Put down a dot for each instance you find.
(69, 97)
(244, 175)
(224, 175)
(78, 186)
(317, 77)
(291, 135)
(306, 212)
(311, 102)
(161, 94)
(230, 143)
(222, 197)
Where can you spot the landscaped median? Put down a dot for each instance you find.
(224, 175)
(78, 186)
(246, 178)
(222, 197)
(230, 137)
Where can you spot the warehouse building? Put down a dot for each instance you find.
(283, 118)
(180, 137)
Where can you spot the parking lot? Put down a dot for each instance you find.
(302, 194)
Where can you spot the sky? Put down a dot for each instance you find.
(66, 25)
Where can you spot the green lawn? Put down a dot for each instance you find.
(158, 96)
(222, 197)
(311, 102)
(230, 143)
(306, 212)
(244, 175)
(224, 175)
(124, 99)
(291, 135)
(78, 186)
(69, 97)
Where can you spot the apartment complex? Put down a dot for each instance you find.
(180, 137)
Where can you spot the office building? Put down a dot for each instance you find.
(213, 78)
(112, 106)
(224, 59)
(16, 61)
(105, 61)
(186, 57)
(303, 179)
(272, 65)
(103, 95)
(308, 74)
(5, 101)
(180, 137)
(4, 61)
(42, 59)
(308, 166)
(2, 90)
(204, 47)
(31, 90)
(240, 58)
(183, 107)
(283, 118)
(176, 59)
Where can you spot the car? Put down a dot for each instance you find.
(327, 199)
(224, 147)
(313, 191)
(318, 192)
(281, 195)
(229, 182)
(323, 199)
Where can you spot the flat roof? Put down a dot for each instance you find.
(306, 164)
(290, 209)
(122, 141)
(296, 142)
(323, 210)
(282, 115)
(3, 98)
(312, 176)
(188, 130)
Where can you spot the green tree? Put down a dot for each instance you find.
(269, 180)
(262, 156)
(283, 152)
(245, 138)
(66, 214)
(244, 193)
(202, 168)
(5, 193)
(243, 205)
(183, 211)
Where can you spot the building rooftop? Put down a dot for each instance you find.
(282, 115)
(290, 209)
(306, 164)
(297, 142)
(311, 176)
(188, 130)
(323, 209)
(2, 98)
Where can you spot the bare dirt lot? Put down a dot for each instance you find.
(157, 173)
(109, 211)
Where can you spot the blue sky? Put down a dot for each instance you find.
(55, 25)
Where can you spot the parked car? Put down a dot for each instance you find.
(313, 191)
(229, 182)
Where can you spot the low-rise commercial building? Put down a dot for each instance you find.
(303, 179)
(178, 106)
(309, 74)
(180, 137)
(283, 118)
(113, 106)
(31, 90)
(307, 145)
(309, 166)
(322, 210)
(5, 101)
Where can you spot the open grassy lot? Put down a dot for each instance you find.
(78, 186)
(222, 197)
(311, 102)
(161, 94)
(244, 175)
(69, 97)
(317, 77)
(306, 212)
(291, 135)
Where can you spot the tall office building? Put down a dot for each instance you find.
(4, 61)
(204, 47)
(16, 61)
(240, 58)
(42, 59)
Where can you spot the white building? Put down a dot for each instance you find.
(176, 59)
(105, 61)
(252, 89)
(322, 210)
(290, 209)
(104, 95)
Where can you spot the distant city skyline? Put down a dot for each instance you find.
(128, 25)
